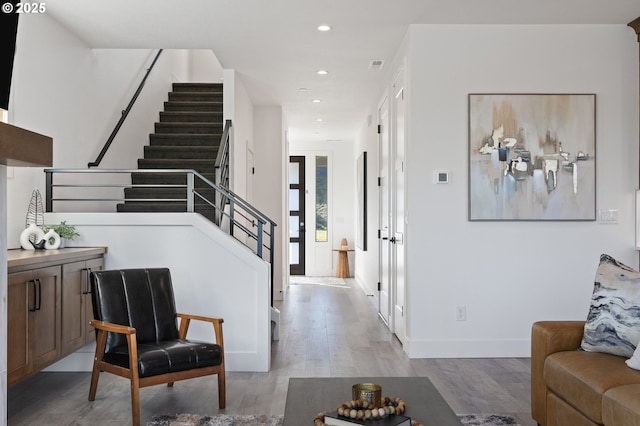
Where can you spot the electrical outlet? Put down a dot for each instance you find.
(461, 313)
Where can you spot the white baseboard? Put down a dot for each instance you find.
(470, 348)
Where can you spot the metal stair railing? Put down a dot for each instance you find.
(233, 214)
(222, 166)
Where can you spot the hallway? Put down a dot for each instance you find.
(326, 331)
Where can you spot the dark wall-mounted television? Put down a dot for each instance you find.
(8, 32)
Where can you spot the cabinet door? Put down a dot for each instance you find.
(77, 310)
(44, 323)
(73, 275)
(92, 265)
(17, 325)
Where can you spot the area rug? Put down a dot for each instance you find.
(328, 281)
(275, 420)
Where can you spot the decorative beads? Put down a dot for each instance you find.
(364, 410)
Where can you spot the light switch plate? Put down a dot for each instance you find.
(441, 177)
(608, 216)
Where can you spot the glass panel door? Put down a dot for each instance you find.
(296, 215)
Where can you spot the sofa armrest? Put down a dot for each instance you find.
(548, 337)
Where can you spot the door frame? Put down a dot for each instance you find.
(398, 207)
(384, 248)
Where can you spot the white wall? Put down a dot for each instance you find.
(268, 181)
(205, 67)
(509, 274)
(342, 200)
(366, 261)
(212, 275)
(238, 108)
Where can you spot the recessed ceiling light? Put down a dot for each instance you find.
(322, 72)
(316, 101)
(303, 89)
(324, 28)
(319, 119)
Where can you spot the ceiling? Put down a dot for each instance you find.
(276, 49)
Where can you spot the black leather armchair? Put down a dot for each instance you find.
(138, 337)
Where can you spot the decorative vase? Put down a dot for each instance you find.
(48, 237)
(26, 236)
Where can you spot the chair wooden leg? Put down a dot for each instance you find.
(135, 402)
(95, 375)
(222, 390)
(101, 342)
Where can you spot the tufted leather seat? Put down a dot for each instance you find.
(138, 336)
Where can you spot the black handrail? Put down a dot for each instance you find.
(124, 115)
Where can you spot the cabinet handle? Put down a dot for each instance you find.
(34, 296)
(87, 289)
(39, 294)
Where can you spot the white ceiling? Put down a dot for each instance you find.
(276, 49)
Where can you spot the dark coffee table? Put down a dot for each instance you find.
(307, 397)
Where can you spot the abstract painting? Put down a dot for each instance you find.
(532, 157)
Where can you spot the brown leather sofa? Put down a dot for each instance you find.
(577, 388)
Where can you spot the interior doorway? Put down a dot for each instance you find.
(296, 215)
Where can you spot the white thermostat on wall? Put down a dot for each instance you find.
(441, 177)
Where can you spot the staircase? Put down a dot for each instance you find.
(186, 137)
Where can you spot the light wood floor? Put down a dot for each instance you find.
(325, 331)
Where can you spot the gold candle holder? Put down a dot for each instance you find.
(369, 392)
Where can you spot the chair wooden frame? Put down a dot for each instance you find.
(131, 373)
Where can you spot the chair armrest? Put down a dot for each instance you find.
(548, 337)
(185, 320)
(113, 328)
(200, 318)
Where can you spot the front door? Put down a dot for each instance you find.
(296, 215)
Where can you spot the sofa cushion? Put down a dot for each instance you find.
(613, 323)
(621, 406)
(581, 378)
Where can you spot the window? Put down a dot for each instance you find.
(322, 211)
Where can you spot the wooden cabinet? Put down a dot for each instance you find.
(77, 310)
(33, 335)
(49, 306)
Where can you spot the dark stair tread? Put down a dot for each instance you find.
(183, 161)
(180, 152)
(193, 128)
(167, 179)
(195, 96)
(185, 139)
(195, 87)
(191, 117)
(171, 106)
